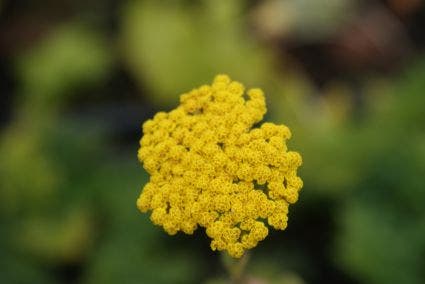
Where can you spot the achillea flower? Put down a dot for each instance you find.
(208, 167)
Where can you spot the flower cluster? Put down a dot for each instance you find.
(208, 167)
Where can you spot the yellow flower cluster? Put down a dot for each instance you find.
(208, 167)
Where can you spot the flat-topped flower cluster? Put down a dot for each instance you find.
(209, 168)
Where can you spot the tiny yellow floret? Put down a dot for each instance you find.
(210, 168)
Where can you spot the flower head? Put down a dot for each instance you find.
(210, 168)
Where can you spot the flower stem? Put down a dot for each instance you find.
(235, 267)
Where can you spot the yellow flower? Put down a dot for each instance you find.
(209, 168)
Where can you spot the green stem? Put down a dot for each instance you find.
(235, 267)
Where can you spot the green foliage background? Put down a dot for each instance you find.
(69, 176)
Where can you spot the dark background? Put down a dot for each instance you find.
(78, 78)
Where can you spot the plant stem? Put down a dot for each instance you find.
(235, 267)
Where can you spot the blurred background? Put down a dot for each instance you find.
(78, 78)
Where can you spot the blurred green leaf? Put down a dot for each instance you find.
(59, 239)
(71, 55)
(171, 49)
(382, 232)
